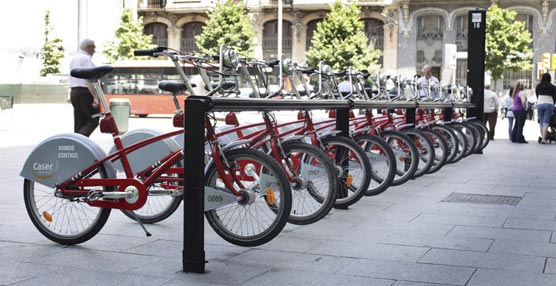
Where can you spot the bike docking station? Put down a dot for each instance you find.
(193, 254)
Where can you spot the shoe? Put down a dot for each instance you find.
(540, 140)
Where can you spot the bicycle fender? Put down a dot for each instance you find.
(59, 157)
(294, 138)
(235, 144)
(148, 155)
(328, 133)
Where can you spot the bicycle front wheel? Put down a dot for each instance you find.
(383, 162)
(406, 154)
(314, 181)
(262, 211)
(425, 148)
(356, 169)
(62, 219)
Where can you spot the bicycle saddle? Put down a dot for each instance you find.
(91, 73)
(173, 86)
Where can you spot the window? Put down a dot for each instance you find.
(430, 28)
(270, 39)
(311, 28)
(461, 32)
(374, 29)
(188, 33)
(159, 32)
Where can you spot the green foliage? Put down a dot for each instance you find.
(129, 36)
(228, 24)
(339, 41)
(52, 50)
(507, 43)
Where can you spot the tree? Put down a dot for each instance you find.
(228, 24)
(129, 37)
(339, 41)
(52, 50)
(507, 43)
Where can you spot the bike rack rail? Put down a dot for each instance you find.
(193, 254)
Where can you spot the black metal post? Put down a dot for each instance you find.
(193, 255)
(410, 115)
(342, 124)
(476, 62)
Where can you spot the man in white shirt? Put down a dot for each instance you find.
(428, 84)
(345, 87)
(83, 96)
(491, 106)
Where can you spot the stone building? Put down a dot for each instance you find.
(410, 33)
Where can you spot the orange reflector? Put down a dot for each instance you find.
(349, 180)
(270, 196)
(401, 158)
(47, 216)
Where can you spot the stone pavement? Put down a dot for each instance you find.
(408, 236)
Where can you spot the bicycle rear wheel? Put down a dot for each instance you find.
(462, 141)
(383, 162)
(62, 219)
(264, 208)
(355, 169)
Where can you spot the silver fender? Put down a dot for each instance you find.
(59, 157)
(145, 156)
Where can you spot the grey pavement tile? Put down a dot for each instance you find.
(500, 233)
(531, 224)
(411, 283)
(370, 250)
(524, 248)
(436, 241)
(292, 243)
(292, 277)
(27, 252)
(484, 260)
(363, 213)
(460, 220)
(488, 277)
(417, 272)
(550, 267)
(173, 249)
(216, 272)
(328, 228)
(403, 228)
(292, 261)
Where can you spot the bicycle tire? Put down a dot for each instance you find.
(315, 187)
(426, 150)
(264, 213)
(404, 151)
(478, 136)
(56, 218)
(462, 143)
(157, 207)
(440, 150)
(469, 137)
(449, 137)
(355, 176)
(383, 162)
(484, 133)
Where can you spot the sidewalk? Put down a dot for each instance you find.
(411, 235)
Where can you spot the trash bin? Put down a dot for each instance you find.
(121, 108)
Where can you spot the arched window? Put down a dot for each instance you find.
(311, 28)
(461, 32)
(374, 29)
(270, 39)
(188, 33)
(159, 32)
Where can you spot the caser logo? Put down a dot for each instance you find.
(44, 170)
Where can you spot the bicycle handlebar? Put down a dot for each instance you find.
(150, 52)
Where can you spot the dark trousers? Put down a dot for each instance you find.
(83, 111)
(517, 133)
(491, 118)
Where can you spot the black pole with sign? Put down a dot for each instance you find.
(476, 62)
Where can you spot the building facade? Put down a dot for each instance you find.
(409, 33)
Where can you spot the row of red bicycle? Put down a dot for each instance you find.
(258, 177)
